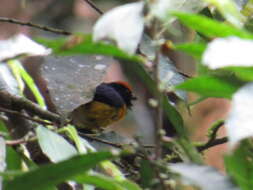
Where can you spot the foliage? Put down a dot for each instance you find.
(222, 49)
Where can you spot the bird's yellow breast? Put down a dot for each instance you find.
(97, 115)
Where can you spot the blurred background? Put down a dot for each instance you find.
(78, 16)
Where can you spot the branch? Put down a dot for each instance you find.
(10, 101)
(94, 7)
(30, 24)
(100, 140)
(25, 116)
(19, 141)
(213, 141)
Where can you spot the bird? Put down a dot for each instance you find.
(110, 104)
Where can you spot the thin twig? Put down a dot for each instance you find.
(100, 140)
(215, 142)
(107, 142)
(30, 24)
(94, 7)
(159, 109)
(214, 130)
(25, 116)
(22, 140)
(19, 141)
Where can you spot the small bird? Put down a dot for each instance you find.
(110, 104)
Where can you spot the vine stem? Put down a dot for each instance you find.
(94, 6)
(30, 24)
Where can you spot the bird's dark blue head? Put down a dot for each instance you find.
(115, 93)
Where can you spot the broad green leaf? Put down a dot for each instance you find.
(147, 173)
(210, 27)
(244, 73)
(128, 185)
(100, 181)
(13, 159)
(211, 86)
(106, 183)
(52, 174)
(239, 165)
(193, 49)
(85, 45)
(54, 145)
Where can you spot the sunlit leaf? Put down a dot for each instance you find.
(123, 25)
(7, 80)
(240, 119)
(20, 45)
(231, 51)
(54, 145)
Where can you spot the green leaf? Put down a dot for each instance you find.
(210, 27)
(20, 74)
(15, 71)
(193, 49)
(128, 185)
(211, 86)
(73, 135)
(239, 165)
(106, 183)
(147, 173)
(52, 174)
(99, 181)
(13, 159)
(174, 116)
(85, 45)
(243, 73)
(54, 145)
